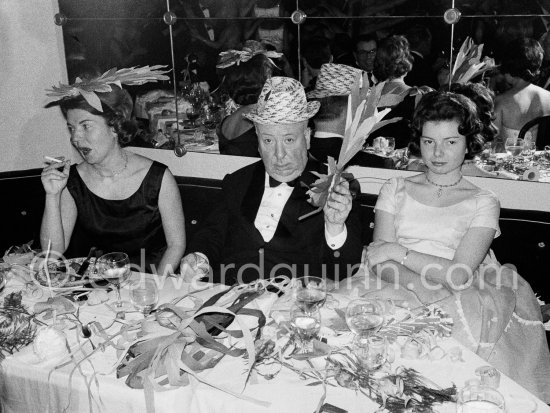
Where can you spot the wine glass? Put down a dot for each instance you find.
(144, 294)
(476, 398)
(514, 146)
(306, 325)
(193, 114)
(115, 269)
(310, 292)
(364, 316)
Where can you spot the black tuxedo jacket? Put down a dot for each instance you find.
(237, 251)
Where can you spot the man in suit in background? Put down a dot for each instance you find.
(420, 44)
(256, 231)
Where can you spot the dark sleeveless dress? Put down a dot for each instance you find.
(130, 225)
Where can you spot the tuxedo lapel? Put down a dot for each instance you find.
(252, 199)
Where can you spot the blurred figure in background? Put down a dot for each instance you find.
(365, 53)
(524, 101)
(420, 44)
(244, 72)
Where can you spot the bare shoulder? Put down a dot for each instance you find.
(138, 163)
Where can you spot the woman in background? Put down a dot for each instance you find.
(114, 200)
(245, 73)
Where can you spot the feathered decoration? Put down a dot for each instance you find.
(17, 325)
(88, 88)
(251, 48)
(468, 63)
(362, 119)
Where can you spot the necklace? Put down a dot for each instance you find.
(440, 187)
(115, 173)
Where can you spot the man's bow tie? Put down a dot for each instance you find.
(273, 182)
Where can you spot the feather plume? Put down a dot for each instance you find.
(131, 76)
(468, 63)
(362, 119)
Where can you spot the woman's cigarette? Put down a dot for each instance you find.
(51, 159)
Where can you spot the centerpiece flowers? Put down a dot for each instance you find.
(363, 118)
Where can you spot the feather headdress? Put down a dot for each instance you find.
(468, 63)
(362, 119)
(88, 88)
(251, 48)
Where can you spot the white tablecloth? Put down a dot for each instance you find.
(27, 387)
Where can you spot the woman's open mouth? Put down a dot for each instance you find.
(84, 151)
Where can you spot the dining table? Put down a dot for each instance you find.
(84, 378)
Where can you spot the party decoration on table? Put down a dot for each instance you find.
(468, 63)
(178, 343)
(404, 390)
(58, 304)
(17, 326)
(362, 119)
(50, 343)
(21, 255)
(429, 318)
(250, 49)
(88, 88)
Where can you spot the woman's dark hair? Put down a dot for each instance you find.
(117, 108)
(393, 58)
(522, 58)
(245, 81)
(447, 106)
(483, 97)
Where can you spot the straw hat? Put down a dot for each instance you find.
(282, 101)
(334, 80)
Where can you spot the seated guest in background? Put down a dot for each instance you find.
(524, 101)
(431, 243)
(483, 98)
(420, 45)
(244, 73)
(255, 232)
(332, 90)
(315, 53)
(114, 200)
(365, 52)
(393, 62)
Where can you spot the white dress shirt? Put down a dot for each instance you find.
(271, 208)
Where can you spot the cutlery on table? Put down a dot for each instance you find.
(86, 263)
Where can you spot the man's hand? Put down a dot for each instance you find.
(337, 208)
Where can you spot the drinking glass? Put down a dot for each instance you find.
(371, 351)
(529, 149)
(514, 146)
(310, 292)
(193, 114)
(306, 326)
(115, 269)
(144, 295)
(476, 398)
(391, 146)
(364, 316)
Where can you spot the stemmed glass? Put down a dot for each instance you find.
(310, 293)
(144, 295)
(306, 326)
(514, 146)
(115, 269)
(193, 113)
(364, 316)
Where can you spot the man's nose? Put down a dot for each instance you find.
(280, 151)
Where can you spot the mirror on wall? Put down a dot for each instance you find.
(101, 34)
